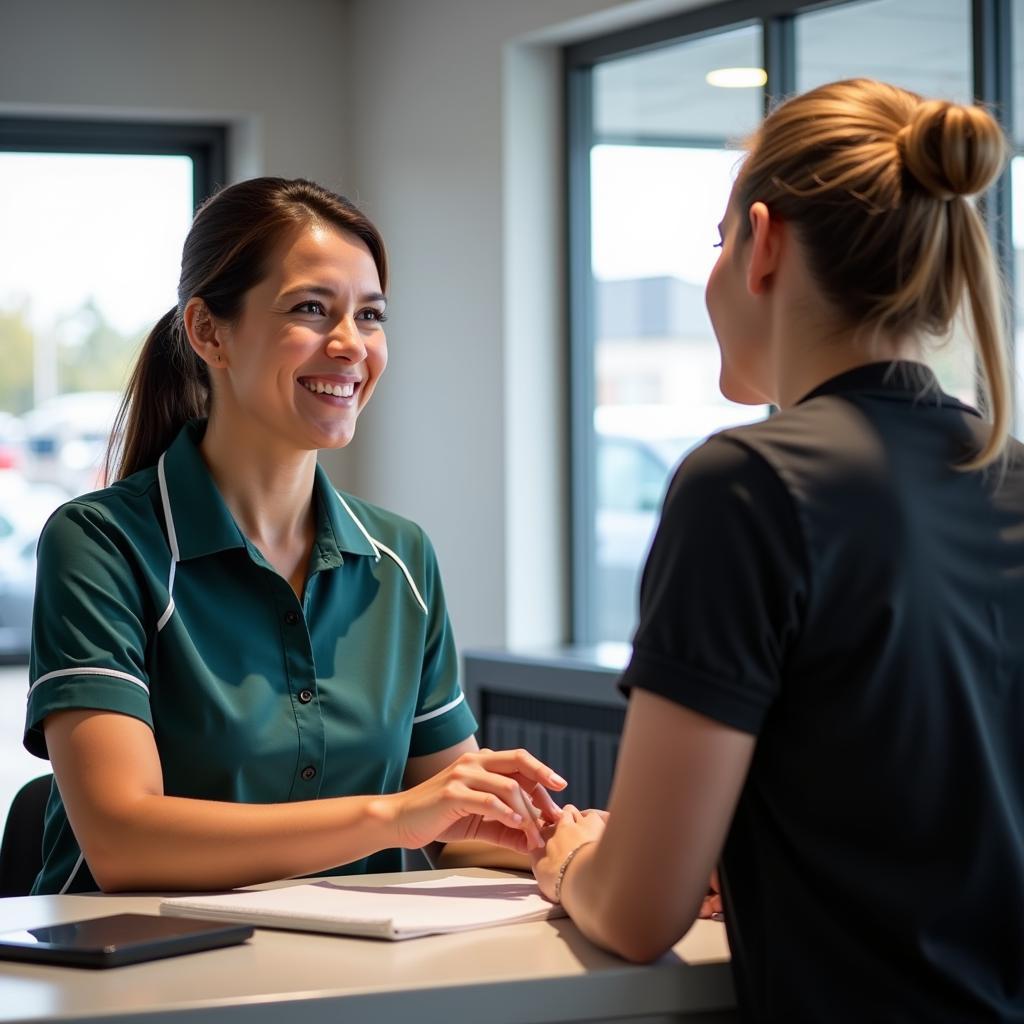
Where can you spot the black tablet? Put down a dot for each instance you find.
(119, 939)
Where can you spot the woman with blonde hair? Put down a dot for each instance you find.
(827, 681)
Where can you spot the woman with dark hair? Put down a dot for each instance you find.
(239, 673)
(827, 680)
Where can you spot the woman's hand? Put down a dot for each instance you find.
(712, 908)
(572, 830)
(497, 796)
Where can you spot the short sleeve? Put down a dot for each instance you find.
(723, 590)
(88, 632)
(443, 718)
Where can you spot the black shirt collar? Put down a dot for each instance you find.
(900, 380)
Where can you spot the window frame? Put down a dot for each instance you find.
(205, 144)
(992, 75)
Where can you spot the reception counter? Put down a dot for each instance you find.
(518, 974)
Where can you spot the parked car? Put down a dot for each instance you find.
(638, 447)
(12, 441)
(17, 588)
(66, 437)
(24, 508)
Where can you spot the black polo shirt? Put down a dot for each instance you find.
(827, 581)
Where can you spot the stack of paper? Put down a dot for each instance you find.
(401, 911)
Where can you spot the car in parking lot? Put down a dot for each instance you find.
(12, 440)
(24, 508)
(66, 438)
(637, 449)
(17, 587)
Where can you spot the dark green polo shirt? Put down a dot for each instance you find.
(151, 602)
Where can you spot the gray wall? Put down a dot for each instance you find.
(443, 118)
(274, 71)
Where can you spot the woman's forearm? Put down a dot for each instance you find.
(162, 842)
(135, 837)
(616, 912)
(580, 895)
(470, 853)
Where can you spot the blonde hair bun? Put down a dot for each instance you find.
(859, 169)
(951, 149)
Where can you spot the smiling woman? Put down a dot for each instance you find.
(267, 263)
(299, 368)
(239, 673)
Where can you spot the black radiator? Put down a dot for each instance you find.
(561, 706)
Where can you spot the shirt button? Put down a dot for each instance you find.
(305, 696)
(309, 772)
(291, 618)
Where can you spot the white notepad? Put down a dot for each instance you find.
(400, 911)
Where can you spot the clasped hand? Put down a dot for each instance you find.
(572, 829)
(496, 796)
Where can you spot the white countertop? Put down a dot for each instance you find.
(541, 971)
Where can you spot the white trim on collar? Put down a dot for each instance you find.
(378, 547)
(362, 529)
(172, 539)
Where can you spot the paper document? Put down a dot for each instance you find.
(401, 911)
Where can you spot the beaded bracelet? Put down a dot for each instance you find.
(565, 867)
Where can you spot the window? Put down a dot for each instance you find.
(653, 147)
(662, 150)
(94, 219)
(1016, 253)
(920, 45)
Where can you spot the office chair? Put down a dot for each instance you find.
(21, 853)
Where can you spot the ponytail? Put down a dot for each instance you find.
(169, 385)
(973, 253)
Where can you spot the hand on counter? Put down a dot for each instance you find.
(574, 829)
(712, 907)
(496, 796)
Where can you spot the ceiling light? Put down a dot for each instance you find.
(737, 78)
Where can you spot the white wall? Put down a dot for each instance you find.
(456, 125)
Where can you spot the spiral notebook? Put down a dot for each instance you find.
(405, 910)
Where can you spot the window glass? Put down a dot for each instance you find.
(921, 45)
(630, 476)
(90, 260)
(1016, 274)
(665, 154)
